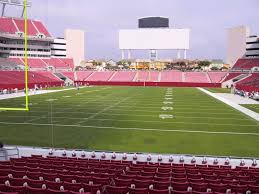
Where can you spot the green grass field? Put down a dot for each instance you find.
(253, 107)
(128, 119)
(219, 90)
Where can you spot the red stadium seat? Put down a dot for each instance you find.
(138, 190)
(116, 190)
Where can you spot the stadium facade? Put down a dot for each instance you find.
(241, 44)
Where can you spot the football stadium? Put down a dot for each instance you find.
(155, 125)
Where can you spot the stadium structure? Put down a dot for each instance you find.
(154, 34)
(175, 139)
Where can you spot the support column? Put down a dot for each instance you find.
(3, 10)
(122, 55)
(178, 54)
(185, 54)
(129, 54)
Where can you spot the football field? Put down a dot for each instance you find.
(131, 119)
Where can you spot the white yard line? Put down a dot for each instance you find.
(82, 112)
(32, 93)
(236, 106)
(153, 116)
(35, 119)
(105, 109)
(22, 94)
(136, 129)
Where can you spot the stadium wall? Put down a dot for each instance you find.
(165, 84)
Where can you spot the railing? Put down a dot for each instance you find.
(7, 153)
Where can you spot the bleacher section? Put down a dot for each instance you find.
(42, 63)
(251, 83)
(32, 31)
(63, 175)
(69, 74)
(14, 25)
(83, 75)
(196, 77)
(246, 64)
(171, 76)
(123, 76)
(16, 79)
(232, 75)
(167, 78)
(150, 78)
(41, 28)
(7, 26)
(7, 64)
(153, 76)
(68, 61)
(216, 77)
(36, 63)
(100, 76)
(57, 63)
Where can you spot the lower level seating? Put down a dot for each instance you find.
(251, 83)
(41, 175)
(16, 79)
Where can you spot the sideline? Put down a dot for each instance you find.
(236, 106)
(31, 93)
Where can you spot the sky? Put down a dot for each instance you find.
(101, 20)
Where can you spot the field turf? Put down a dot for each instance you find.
(131, 119)
(219, 90)
(253, 107)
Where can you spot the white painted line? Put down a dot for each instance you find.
(165, 116)
(167, 108)
(51, 100)
(34, 119)
(167, 102)
(105, 109)
(112, 114)
(137, 129)
(242, 109)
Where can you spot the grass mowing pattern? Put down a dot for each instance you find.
(253, 107)
(219, 90)
(127, 119)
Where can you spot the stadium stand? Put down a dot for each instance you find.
(32, 31)
(196, 77)
(123, 76)
(16, 79)
(153, 76)
(250, 83)
(246, 63)
(57, 63)
(141, 76)
(7, 64)
(36, 63)
(69, 74)
(14, 25)
(68, 61)
(83, 75)
(100, 76)
(232, 75)
(7, 26)
(41, 28)
(71, 175)
(171, 76)
(216, 77)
